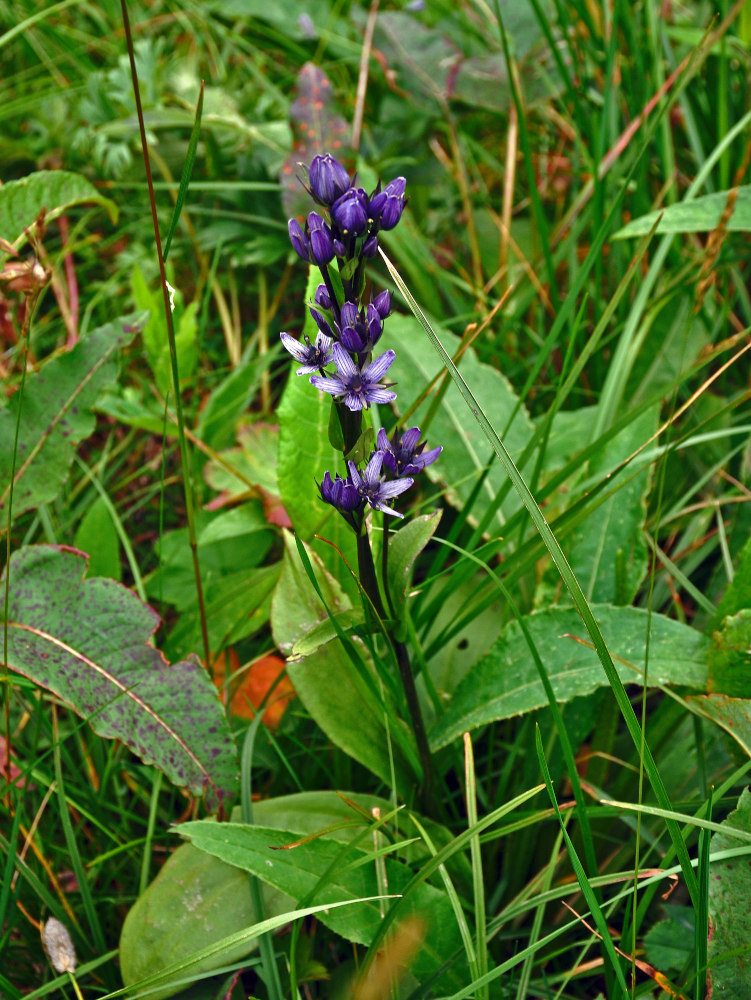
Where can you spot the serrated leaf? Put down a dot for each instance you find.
(56, 191)
(88, 642)
(505, 682)
(729, 911)
(325, 872)
(670, 944)
(699, 215)
(57, 414)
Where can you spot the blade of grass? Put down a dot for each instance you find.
(190, 158)
(567, 575)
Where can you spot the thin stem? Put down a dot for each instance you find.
(370, 585)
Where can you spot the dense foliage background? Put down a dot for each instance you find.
(573, 576)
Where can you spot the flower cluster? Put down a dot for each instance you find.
(345, 232)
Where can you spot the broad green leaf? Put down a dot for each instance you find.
(253, 461)
(699, 215)
(465, 449)
(670, 944)
(296, 607)
(607, 550)
(55, 191)
(325, 631)
(729, 911)
(97, 535)
(505, 682)
(89, 643)
(341, 696)
(321, 871)
(731, 714)
(57, 414)
(738, 593)
(135, 408)
(228, 403)
(194, 901)
(405, 546)
(730, 657)
(305, 454)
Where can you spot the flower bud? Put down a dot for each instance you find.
(340, 493)
(350, 212)
(393, 206)
(382, 302)
(322, 297)
(298, 239)
(370, 247)
(320, 322)
(375, 327)
(321, 243)
(328, 178)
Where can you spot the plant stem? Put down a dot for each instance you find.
(370, 585)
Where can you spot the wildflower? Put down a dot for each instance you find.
(328, 179)
(359, 387)
(321, 323)
(322, 297)
(387, 206)
(404, 455)
(313, 356)
(350, 212)
(340, 493)
(382, 303)
(375, 490)
(321, 242)
(298, 239)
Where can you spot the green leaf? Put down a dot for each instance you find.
(505, 682)
(611, 534)
(730, 657)
(195, 900)
(89, 643)
(343, 621)
(97, 535)
(670, 944)
(305, 454)
(465, 450)
(405, 546)
(729, 911)
(56, 414)
(56, 191)
(699, 215)
(325, 872)
(252, 463)
(738, 593)
(340, 695)
(731, 714)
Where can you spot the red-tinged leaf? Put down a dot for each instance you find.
(316, 128)
(250, 688)
(88, 642)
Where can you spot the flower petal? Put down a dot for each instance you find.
(334, 386)
(380, 395)
(373, 468)
(378, 368)
(355, 476)
(394, 487)
(344, 363)
(410, 438)
(295, 348)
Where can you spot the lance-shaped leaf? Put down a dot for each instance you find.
(56, 414)
(88, 642)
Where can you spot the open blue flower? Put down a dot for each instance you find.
(313, 356)
(360, 387)
(374, 489)
(403, 454)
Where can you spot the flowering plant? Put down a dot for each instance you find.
(344, 231)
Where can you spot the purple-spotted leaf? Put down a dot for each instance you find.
(88, 642)
(56, 414)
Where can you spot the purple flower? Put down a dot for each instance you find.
(322, 298)
(382, 303)
(321, 323)
(321, 242)
(375, 490)
(340, 493)
(298, 239)
(359, 387)
(313, 356)
(404, 455)
(369, 247)
(328, 178)
(350, 212)
(387, 206)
